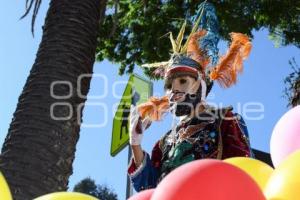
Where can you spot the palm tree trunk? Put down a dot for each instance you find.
(38, 151)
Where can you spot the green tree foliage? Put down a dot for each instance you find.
(135, 32)
(88, 186)
(292, 82)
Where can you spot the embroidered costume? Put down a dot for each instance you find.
(218, 139)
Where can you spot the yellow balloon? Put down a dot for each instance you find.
(284, 184)
(66, 196)
(257, 169)
(4, 189)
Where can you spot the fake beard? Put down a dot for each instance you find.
(187, 105)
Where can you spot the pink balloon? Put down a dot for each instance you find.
(208, 179)
(143, 195)
(286, 136)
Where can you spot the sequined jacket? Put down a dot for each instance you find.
(215, 134)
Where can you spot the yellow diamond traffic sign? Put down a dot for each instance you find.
(137, 91)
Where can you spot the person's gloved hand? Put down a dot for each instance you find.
(136, 126)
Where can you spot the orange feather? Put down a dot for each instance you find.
(195, 52)
(154, 108)
(230, 65)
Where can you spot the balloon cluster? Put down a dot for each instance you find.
(235, 178)
(240, 177)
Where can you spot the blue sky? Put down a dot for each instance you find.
(261, 82)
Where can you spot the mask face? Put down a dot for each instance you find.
(184, 92)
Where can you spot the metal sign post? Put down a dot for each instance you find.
(137, 91)
(129, 189)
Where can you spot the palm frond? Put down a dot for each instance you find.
(28, 5)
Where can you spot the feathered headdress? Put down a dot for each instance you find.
(199, 56)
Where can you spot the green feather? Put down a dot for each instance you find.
(156, 65)
(173, 42)
(194, 29)
(180, 36)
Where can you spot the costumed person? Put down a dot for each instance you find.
(203, 131)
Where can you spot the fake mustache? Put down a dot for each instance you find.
(178, 95)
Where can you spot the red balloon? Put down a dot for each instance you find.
(208, 179)
(143, 195)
